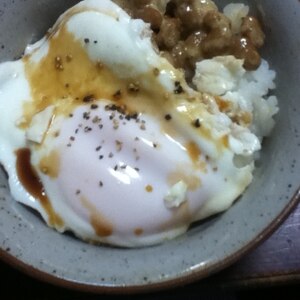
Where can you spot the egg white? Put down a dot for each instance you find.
(129, 202)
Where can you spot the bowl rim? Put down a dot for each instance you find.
(186, 278)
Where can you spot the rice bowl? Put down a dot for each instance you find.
(217, 230)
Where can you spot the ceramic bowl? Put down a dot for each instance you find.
(27, 243)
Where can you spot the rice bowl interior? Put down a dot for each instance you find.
(220, 231)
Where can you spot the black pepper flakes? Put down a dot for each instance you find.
(100, 183)
(96, 120)
(86, 115)
(134, 116)
(113, 107)
(78, 192)
(107, 107)
(88, 98)
(101, 157)
(197, 123)
(98, 148)
(116, 167)
(117, 95)
(94, 106)
(168, 117)
(156, 71)
(86, 40)
(87, 129)
(178, 88)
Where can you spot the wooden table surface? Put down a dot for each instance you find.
(276, 261)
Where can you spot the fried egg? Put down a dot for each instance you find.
(104, 138)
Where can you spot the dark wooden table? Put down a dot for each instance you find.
(275, 262)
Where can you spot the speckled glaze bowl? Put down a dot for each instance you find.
(27, 243)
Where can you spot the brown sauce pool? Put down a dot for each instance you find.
(32, 183)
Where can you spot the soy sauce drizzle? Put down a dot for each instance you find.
(32, 183)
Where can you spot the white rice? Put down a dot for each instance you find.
(247, 91)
